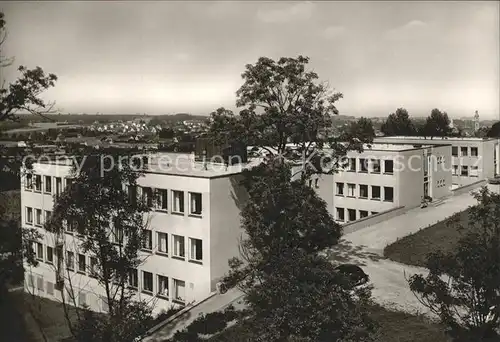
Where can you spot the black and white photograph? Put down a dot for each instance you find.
(249, 171)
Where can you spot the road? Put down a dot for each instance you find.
(365, 248)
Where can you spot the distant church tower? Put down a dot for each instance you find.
(476, 122)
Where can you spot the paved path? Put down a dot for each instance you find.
(215, 303)
(365, 248)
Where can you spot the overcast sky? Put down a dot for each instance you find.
(166, 57)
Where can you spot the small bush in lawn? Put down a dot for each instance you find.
(186, 336)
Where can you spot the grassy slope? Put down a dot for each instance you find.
(413, 249)
(393, 327)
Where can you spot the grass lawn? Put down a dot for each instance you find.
(393, 327)
(413, 249)
(33, 318)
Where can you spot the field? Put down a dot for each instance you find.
(413, 249)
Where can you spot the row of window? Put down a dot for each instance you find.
(464, 171)
(34, 182)
(349, 190)
(464, 151)
(158, 199)
(80, 299)
(161, 287)
(370, 166)
(149, 195)
(351, 214)
(38, 218)
(78, 263)
(178, 244)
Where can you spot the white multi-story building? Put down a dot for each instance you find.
(387, 176)
(473, 159)
(194, 229)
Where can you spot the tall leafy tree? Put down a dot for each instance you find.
(282, 102)
(436, 125)
(494, 131)
(463, 287)
(287, 285)
(398, 123)
(361, 129)
(102, 208)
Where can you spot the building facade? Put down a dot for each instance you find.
(193, 230)
(387, 176)
(473, 159)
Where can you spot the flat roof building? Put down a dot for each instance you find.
(193, 231)
(473, 159)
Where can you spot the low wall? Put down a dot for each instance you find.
(373, 219)
(468, 188)
(494, 188)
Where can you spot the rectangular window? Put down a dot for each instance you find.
(147, 239)
(454, 151)
(162, 286)
(70, 226)
(69, 182)
(104, 304)
(352, 164)
(196, 250)
(376, 192)
(161, 199)
(362, 165)
(363, 213)
(463, 151)
(162, 243)
(363, 191)
(352, 214)
(82, 298)
(48, 184)
(29, 215)
(133, 279)
(195, 203)
(39, 284)
(179, 290)
(132, 194)
(93, 267)
(47, 215)
(388, 166)
(340, 214)
(340, 189)
(178, 201)
(70, 261)
(147, 196)
(388, 194)
(454, 171)
(465, 170)
(29, 182)
(147, 282)
(351, 189)
(375, 166)
(50, 255)
(118, 235)
(39, 251)
(474, 171)
(38, 217)
(178, 246)
(50, 288)
(38, 183)
(473, 151)
(58, 186)
(82, 263)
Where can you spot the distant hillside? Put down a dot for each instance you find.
(90, 118)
